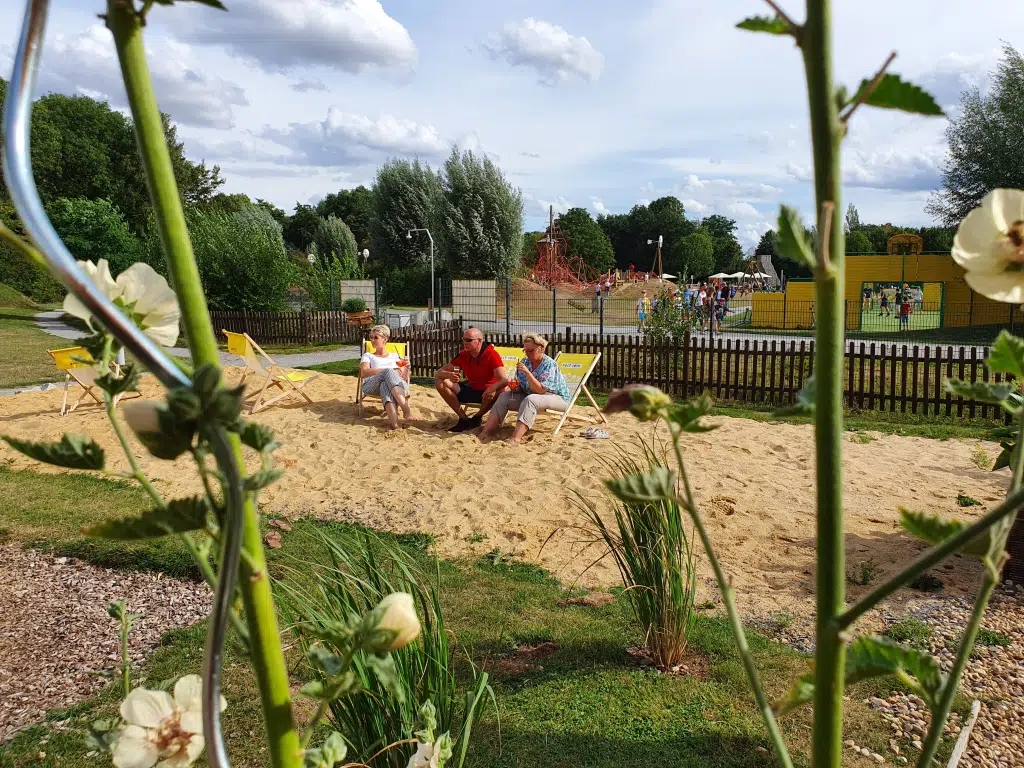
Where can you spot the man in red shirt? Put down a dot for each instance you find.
(484, 374)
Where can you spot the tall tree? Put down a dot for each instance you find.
(858, 242)
(986, 141)
(405, 196)
(224, 203)
(354, 207)
(276, 213)
(94, 230)
(586, 239)
(617, 227)
(852, 222)
(768, 245)
(668, 219)
(696, 254)
(480, 217)
(300, 228)
(728, 251)
(334, 240)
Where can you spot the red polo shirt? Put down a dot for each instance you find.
(479, 371)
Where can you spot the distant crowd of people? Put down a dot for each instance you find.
(893, 299)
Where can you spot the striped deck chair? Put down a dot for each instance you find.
(273, 375)
(401, 348)
(576, 369)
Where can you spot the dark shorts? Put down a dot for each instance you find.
(469, 395)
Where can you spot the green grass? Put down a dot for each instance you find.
(913, 632)
(966, 501)
(339, 367)
(586, 702)
(920, 320)
(23, 358)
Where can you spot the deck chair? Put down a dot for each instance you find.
(78, 366)
(261, 364)
(576, 369)
(401, 348)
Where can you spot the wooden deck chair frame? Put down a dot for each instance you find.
(251, 355)
(400, 347)
(581, 387)
(72, 361)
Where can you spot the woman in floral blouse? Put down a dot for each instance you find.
(538, 386)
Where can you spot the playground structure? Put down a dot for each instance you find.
(946, 301)
(557, 266)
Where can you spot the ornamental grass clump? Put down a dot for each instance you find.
(655, 557)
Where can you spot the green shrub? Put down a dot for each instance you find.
(655, 557)
(334, 240)
(355, 571)
(94, 230)
(353, 304)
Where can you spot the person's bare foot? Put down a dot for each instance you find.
(510, 441)
(484, 437)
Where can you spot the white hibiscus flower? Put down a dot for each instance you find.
(398, 615)
(990, 245)
(162, 729)
(141, 292)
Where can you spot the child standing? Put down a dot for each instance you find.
(905, 309)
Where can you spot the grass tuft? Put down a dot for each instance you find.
(912, 632)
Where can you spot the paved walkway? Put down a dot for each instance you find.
(50, 322)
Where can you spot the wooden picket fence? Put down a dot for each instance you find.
(289, 327)
(877, 377)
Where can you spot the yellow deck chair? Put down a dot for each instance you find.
(576, 369)
(79, 366)
(401, 348)
(241, 344)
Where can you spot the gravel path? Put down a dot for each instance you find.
(55, 631)
(994, 675)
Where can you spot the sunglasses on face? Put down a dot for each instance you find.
(468, 341)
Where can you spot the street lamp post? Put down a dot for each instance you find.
(408, 236)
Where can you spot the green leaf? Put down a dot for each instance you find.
(658, 484)
(314, 689)
(178, 516)
(1004, 458)
(259, 437)
(894, 93)
(334, 748)
(428, 716)
(128, 381)
(804, 405)
(792, 238)
(262, 479)
(981, 391)
(687, 417)
(94, 344)
(1006, 355)
(869, 657)
(72, 452)
(768, 24)
(936, 530)
(384, 668)
(330, 664)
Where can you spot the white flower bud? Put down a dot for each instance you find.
(398, 615)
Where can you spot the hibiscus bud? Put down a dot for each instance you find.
(642, 400)
(143, 416)
(398, 614)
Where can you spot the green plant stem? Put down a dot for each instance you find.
(988, 585)
(267, 656)
(728, 599)
(126, 664)
(826, 135)
(932, 557)
(329, 695)
(22, 245)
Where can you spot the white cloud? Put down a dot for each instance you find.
(560, 204)
(598, 207)
(282, 35)
(890, 168)
(87, 62)
(696, 207)
(743, 210)
(307, 85)
(343, 138)
(955, 73)
(556, 55)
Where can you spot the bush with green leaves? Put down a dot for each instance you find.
(334, 241)
(353, 304)
(94, 230)
(242, 259)
(654, 553)
(353, 573)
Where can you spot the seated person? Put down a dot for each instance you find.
(384, 375)
(485, 378)
(539, 386)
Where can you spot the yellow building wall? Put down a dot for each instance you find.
(943, 279)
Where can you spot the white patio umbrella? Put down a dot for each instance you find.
(667, 276)
(718, 276)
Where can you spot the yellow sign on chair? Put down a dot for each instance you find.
(78, 365)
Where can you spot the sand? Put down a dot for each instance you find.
(755, 482)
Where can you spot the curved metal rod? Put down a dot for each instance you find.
(17, 165)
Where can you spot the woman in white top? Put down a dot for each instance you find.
(384, 374)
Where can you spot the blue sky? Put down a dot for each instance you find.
(597, 104)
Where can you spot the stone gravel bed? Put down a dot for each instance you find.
(55, 633)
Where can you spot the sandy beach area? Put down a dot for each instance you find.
(754, 481)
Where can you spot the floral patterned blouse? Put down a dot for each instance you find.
(548, 374)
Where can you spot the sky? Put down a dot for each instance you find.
(600, 104)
